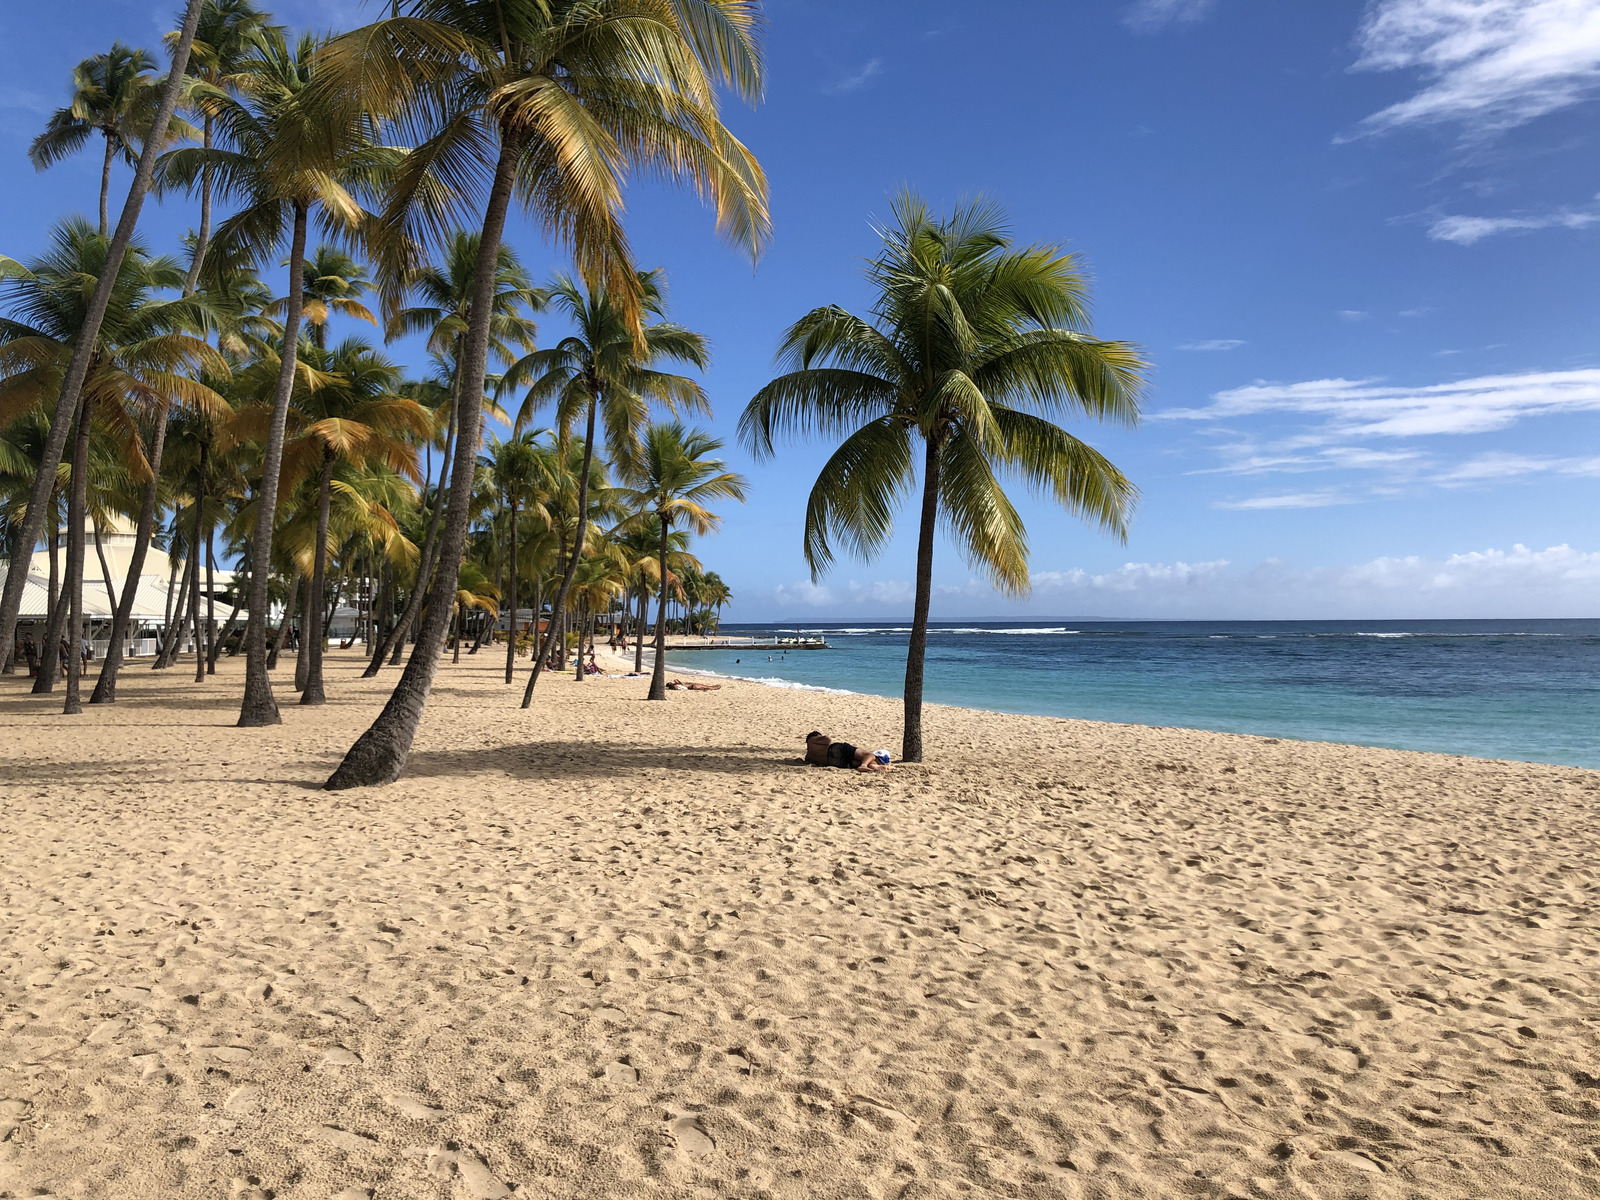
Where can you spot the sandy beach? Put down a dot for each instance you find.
(613, 948)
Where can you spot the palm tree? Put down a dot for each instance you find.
(223, 42)
(566, 98)
(473, 590)
(283, 159)
(672, 481)
(515, 469)
(70, 393)
(444, 294)
(972, 345)
(117, 95)
(351, 416)
(333, 283)
(142, 349)
(600, 371)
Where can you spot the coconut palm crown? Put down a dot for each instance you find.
(974, 347)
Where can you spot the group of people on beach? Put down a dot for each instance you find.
(30, 652)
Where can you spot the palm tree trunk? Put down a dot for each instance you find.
(916, 653)
(308, 601)
(380, 605)
(174, 642)
(658, 674)
(166, 624)
(13, 557)
(211, 605)
(396, 639)
(221, 640)
(105, 186)
(543, 649)
(511, 639)
(459, 615)
(259, 707)
(199, 551)
(638, 634)
(558, 605)
(379, 755)
(105, 571)
(290, 601)
(50, 665)
(77, 515)
(203, 238)
(89, 334)
(316, 628)
(583, 623)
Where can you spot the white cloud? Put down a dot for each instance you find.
(1493, 466)
(1291, 500)
(1464, 231)
(1353, 314)
(1556, 582)
(855, 80)
(1370, 408)
(1213, 344)
(1492, 64)
(1152, 16)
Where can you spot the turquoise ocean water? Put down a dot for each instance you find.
(1527, 690)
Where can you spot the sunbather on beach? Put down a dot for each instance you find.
(823, 751)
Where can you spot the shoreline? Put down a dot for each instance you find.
(789, 685)
(621, 948)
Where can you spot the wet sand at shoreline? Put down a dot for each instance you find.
(614, 948)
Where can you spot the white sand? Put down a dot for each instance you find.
(613, 948)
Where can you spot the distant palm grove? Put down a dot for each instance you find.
(227, 405)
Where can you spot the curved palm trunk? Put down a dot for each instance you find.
(379, 755)
(315, 640)
(166, 625)
(105, 568)
(78, 368)
(77, 512)
(259, 707)
(511, 629)
(203, 237)
(558, 605)
(105, 186)
(916, 653)
(105, 688)
(658, 673)
(396, 640)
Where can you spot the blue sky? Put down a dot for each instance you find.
(1359, 242)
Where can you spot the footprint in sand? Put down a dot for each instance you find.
(228, 1054)
(354, 1193)
(479, 1182)
(410, 1106)
(338, 1056)
(344, 1139)
(12, 1114)
(246, 1100)
(693, 1141)
(620, 1074)
(247, 1189)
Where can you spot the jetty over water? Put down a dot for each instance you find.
(747, 643)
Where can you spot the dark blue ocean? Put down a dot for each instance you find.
(1527, 690)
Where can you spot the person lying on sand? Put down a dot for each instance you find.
(823, 751)
(678, 685)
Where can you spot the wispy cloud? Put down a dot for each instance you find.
(1464, 231)
(1352, 408)
(1213, 344)
(1152, 16)
(855, 80)
(1289, 500)
(1353, 314)
(1557, 581)
(1491, 64)
(1497, 466)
